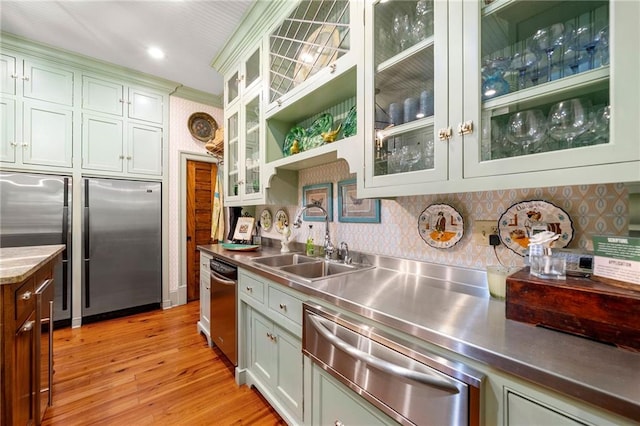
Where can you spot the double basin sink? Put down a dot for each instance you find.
(308, 268)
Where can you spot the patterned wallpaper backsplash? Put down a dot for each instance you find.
(594, 210)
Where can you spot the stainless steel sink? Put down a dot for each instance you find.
(284, 260)
(308, 268)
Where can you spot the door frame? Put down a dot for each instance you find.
(182, 218)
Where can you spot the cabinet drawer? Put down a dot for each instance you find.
(285, 305)
(25, 300)
(252, 287)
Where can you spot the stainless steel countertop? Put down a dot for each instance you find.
(466, 320)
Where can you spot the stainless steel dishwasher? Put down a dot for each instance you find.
(224, 280)
(409, 384)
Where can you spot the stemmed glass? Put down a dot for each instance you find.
(410, 157)
(569, 119)
(600, 125)
(521, 62)
(526, 128)
(588, 37)
(547, 40)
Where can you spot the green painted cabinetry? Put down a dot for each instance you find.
(270, 343)
(36, 102)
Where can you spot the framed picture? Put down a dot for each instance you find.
(244, 229)
(354, 209)
(322, 195)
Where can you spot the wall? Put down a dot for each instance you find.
(181, 141)
(594, 209)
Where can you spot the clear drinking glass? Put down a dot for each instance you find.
(527, 129)
(522, 62)
(548, 40)
(569, 119)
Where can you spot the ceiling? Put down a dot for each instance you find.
(190, 32)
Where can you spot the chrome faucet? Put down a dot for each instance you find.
(328, 246)
(344, 253)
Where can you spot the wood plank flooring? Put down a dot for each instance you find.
(148, 369)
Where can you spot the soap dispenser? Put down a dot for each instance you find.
(310, 249)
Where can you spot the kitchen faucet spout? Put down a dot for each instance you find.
(328, 246)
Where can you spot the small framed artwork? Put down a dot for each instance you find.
(321, 195)
(244, 229)
(354, 209)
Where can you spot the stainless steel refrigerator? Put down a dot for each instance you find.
(35, 209)
(122, 247)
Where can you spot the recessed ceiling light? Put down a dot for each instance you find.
(155, 53)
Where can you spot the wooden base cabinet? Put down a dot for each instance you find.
(19, 355)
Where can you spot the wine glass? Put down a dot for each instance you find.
(603, 46)
(521, 62)
(410, 157)
(526, 129)
(547, 40)
(600, 125)
(569, 119)
(588, 37)
(423, 24)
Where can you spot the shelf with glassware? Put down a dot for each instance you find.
(547, 92)
(405, 58)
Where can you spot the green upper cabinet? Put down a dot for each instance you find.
(122, 129)
(37, 113)
(406, 96)
(101, 95)
(525, 94)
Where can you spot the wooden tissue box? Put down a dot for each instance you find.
(580, 306)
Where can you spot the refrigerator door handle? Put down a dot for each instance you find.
(87, 251)
(65, 240)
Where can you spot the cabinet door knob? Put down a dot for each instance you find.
(28, 326)
(465, 128)
(121, 157)
(25, 78)
(283, 306)
(445, 134)
(128, 157)
(250, 289)
(279, 102)
(14, 144)
(122, 101)
(332, 67)
(26, 295)
(14, 76)
(24, 144)
(338, 423)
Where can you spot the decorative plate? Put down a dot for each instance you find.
(296, 133)
(317, 52)
(265, 219)
(320, 125)
(202, 126)
(281, 220)
(350, 124)
(240, 247)
(514, 226)
(440, 226)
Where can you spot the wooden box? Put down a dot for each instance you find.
(580, 306)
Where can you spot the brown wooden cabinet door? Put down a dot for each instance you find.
(201, 181)
(24, 373)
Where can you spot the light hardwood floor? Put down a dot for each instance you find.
(148, 369)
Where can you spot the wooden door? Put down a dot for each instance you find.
(201, 183)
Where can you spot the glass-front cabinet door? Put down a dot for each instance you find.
(252, 138)
(231, 154)
(405, 93)
(548, 85)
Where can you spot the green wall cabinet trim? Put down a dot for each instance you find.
(199, 96)
(81, 62)
(257, 22)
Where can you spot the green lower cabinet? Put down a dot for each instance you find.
(522, 411)
(333, 403)
(275, 365)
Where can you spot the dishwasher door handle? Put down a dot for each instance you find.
(219, 278)
(379, 363)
